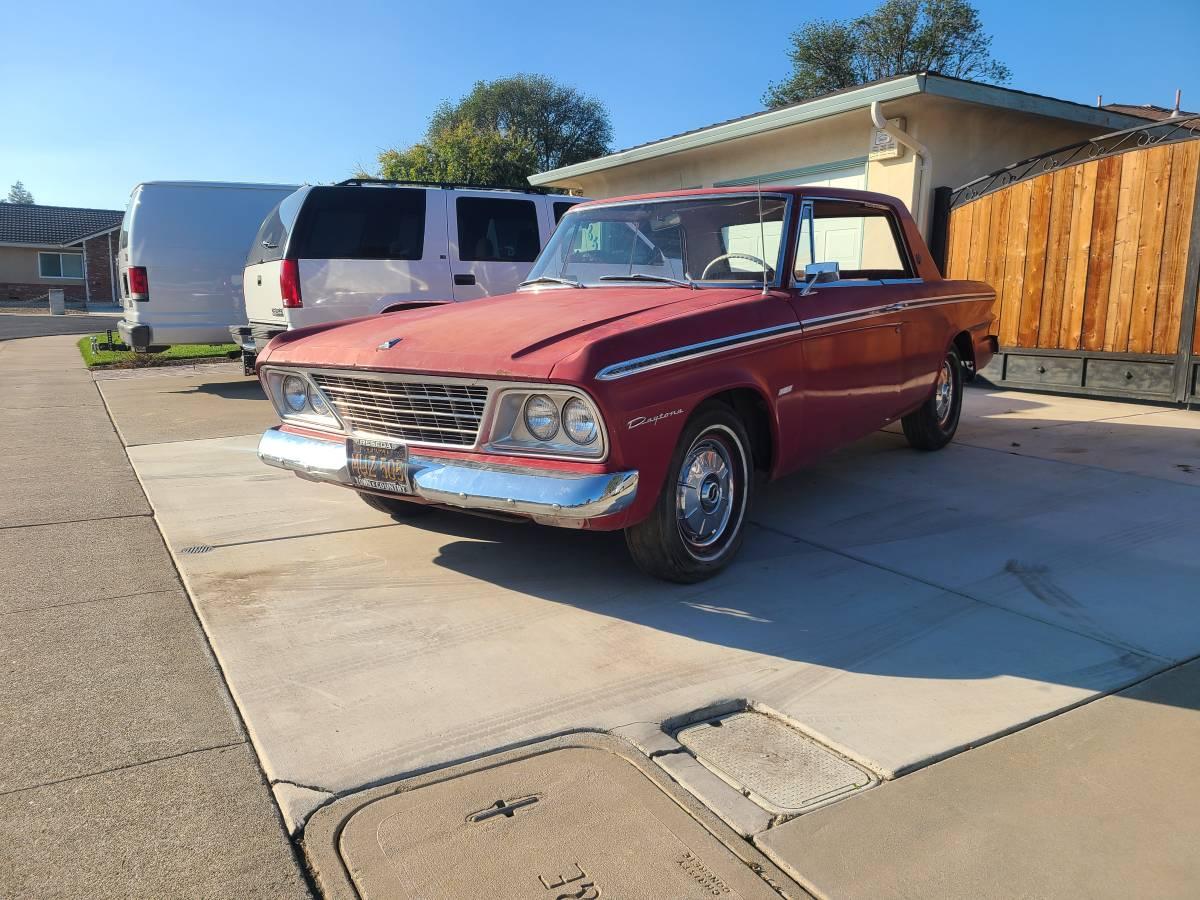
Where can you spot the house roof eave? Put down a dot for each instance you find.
(770, 120)
(848, 101)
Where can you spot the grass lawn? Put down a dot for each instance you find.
(126, 358)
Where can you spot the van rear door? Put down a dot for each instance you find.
(494, 239)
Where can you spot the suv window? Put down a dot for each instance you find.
(863, 240)
(560, 207)
(494, 230)
(360, 223)
(271, 240)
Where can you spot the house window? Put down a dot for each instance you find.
(60, 265)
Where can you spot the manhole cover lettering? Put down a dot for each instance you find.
(584, 889)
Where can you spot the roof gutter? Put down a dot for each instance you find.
(903, 137)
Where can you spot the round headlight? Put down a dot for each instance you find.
(579, 422)
(317, 402)
(295, 393)
(541, 417)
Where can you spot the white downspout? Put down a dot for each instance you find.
(922, 152)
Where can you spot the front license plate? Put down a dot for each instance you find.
(379, 465)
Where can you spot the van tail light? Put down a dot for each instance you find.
(289, 284)
(139, 284)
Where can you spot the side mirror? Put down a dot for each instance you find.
(820, 273)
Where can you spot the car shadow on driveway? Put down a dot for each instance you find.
(249, 389)
(966, 564)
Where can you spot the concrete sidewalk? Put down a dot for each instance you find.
(1098, 802)
(126, 769)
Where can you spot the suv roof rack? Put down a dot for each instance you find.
(446, 185)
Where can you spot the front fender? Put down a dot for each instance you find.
(646, 415)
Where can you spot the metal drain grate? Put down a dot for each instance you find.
(199, 548)
(776, 766)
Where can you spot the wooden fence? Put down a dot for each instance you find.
(1094, 265)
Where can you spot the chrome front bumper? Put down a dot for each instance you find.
(549, 496)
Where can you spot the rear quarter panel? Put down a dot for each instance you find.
(335, 289)
(938, 313)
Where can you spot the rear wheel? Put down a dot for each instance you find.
(695, 528)
(395, 507)
(932, 426)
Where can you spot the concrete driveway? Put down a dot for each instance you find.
(899, 606)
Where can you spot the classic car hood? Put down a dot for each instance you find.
(518, 335)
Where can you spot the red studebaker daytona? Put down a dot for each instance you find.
(666, 352)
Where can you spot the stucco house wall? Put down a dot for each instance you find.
(968, 129)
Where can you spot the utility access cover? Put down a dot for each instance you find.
(777, 766)
(567, 822)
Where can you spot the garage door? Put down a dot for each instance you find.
(854, 177)
(836, 241)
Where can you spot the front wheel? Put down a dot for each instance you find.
(932, 426)
(696, 526)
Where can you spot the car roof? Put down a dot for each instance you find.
(790, 189)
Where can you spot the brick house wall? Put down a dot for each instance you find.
(100, 255)
(74, 293)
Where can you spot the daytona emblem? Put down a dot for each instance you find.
(639, 421)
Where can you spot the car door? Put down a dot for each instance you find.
(494, 239)
(853, 343)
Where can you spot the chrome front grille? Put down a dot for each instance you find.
(416, 412)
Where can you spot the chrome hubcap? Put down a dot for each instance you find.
(943, 395)
(705, 493)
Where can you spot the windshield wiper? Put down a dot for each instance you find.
(551, 279)
(644, 276)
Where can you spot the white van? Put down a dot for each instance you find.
(182, 248)
(333, 252)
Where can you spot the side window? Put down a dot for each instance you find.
(496, 230)
(360, 223)
(269, 242)
(560, 207)
(863, 240)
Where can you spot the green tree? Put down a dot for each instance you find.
(901, 37)
(502, 132)
(19, 194)
(463, 154)
(563, 125)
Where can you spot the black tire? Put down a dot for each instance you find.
(932, 426)
(665, 544)
(395, 507)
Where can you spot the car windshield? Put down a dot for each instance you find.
(697, 241)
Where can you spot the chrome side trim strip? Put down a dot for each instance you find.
(691, 352)
(854, 315)
(849, 316)
(694, 351)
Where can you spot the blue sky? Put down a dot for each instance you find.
(96, 97)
